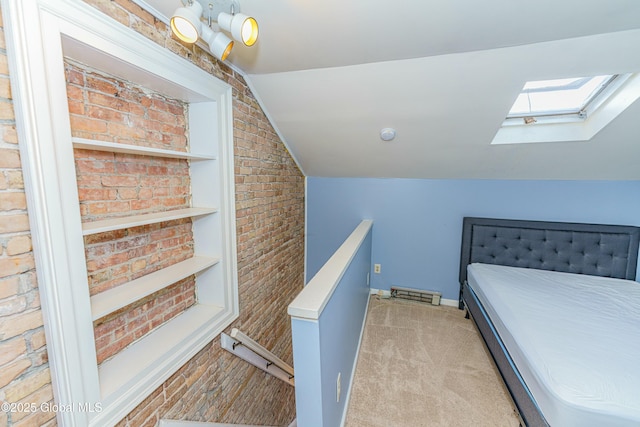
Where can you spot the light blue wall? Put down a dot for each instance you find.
(306, 361)
(418, 223)
(324, 348)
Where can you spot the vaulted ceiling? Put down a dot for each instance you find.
(331, 74)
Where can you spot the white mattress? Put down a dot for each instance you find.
(575, 340)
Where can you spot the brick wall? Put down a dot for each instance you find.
(212, 386)
(105, 108)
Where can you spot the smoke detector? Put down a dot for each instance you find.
(387, 134)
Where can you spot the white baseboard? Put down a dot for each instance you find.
(382, 293)
(449, 302)
(347, 396)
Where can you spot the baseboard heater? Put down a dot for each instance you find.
(430, 297)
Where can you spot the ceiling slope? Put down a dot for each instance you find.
(444, 74)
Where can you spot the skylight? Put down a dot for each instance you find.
(559, 96)
(567, 109)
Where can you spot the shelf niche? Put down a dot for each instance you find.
(69, 29)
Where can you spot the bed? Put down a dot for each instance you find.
(559, 310)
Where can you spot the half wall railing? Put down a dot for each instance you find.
(327, 320)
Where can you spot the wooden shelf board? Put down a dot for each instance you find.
(114, 299)
(119, 223)
(91, 144)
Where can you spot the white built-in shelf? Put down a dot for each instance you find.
(114, 147)
(120, 384)
(116, 298)
(119, 223)
(150, 356)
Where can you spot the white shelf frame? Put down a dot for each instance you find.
(156, 352)
(39, 34)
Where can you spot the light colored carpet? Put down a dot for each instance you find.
(423, 365)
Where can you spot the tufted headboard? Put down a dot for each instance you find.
(598, 250)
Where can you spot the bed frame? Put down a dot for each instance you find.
(597, 250)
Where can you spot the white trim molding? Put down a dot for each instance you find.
(316, 294)
(40, 35)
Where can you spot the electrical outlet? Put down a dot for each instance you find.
(338, 387)
(377, 268)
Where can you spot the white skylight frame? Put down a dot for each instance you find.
(583, 125)
(560, 97)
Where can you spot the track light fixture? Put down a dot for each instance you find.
(219, 44)
(242, 27)
(185, 22)
(187, 25)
